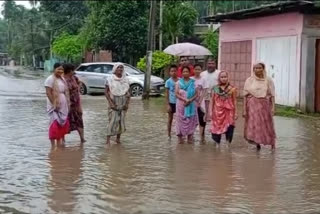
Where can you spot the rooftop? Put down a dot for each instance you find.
(266, 10)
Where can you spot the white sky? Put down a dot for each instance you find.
(24, 3)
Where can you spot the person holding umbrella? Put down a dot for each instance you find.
(184, 62)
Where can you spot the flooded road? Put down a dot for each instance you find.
(147, 173)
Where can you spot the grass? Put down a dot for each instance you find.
(285, 111)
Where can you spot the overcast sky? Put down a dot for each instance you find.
(24, 3)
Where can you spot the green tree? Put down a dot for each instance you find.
(3, 36)
(25, 36)
(64, 16)
(68, 46)
(119, 26)
(179, 20)
(211, 41)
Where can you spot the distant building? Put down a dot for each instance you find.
(101, 56)
(286, 37)
(203, 29)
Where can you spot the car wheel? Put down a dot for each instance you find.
(136, 90)
(83, 89)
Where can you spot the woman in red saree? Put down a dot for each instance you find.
(258, 110)
(224, 109)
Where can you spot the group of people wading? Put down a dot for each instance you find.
(197, 97)
(193, 96)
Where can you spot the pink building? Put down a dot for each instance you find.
(286, 37)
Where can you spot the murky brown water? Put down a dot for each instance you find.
(146, 173)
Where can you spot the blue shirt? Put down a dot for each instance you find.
(170, 85)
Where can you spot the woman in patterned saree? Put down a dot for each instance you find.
(259, 106)
(75, 112)
(187, 115)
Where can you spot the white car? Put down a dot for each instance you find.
(94, 75)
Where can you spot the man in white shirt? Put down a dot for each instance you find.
(211, 76)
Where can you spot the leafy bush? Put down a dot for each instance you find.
(160, 61)
(68, 46)
(211, 41)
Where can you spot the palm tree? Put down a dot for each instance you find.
(179, 20)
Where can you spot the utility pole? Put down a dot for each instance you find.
(161, 18)
(150, 48)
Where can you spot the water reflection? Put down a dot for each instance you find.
(259, 181)
(65, 176)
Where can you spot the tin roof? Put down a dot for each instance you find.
(266, 10)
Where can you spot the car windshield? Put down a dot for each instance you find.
(132, 70)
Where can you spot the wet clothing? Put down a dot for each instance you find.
(259, 125)
(173, 108)
(117, 117)
(228, 133)
(75, 113)
(187, 117)
(58, 111)
(201, 118)
(119, 94)
(223, 110)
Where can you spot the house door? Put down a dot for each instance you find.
(236, 59)
(317, 77)
(280, 56)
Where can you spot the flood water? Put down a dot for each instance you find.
(146, 174)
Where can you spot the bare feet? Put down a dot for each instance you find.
(180, 140)
(108, 140)
(273, 147)
(202, 141)
(118, 139)
(53, 143)
(83, 140)
(190, 139)
(258, 147)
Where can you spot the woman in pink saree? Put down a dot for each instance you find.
(258, 110)
(224, 109)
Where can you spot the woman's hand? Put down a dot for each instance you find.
(272, 111)
(187, 102)
(125, 107)
(112, 106)
(57, 108)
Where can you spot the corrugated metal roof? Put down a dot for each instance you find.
(266, 10)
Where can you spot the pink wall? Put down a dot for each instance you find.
(287, 24)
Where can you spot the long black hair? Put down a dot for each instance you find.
(68, 67)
